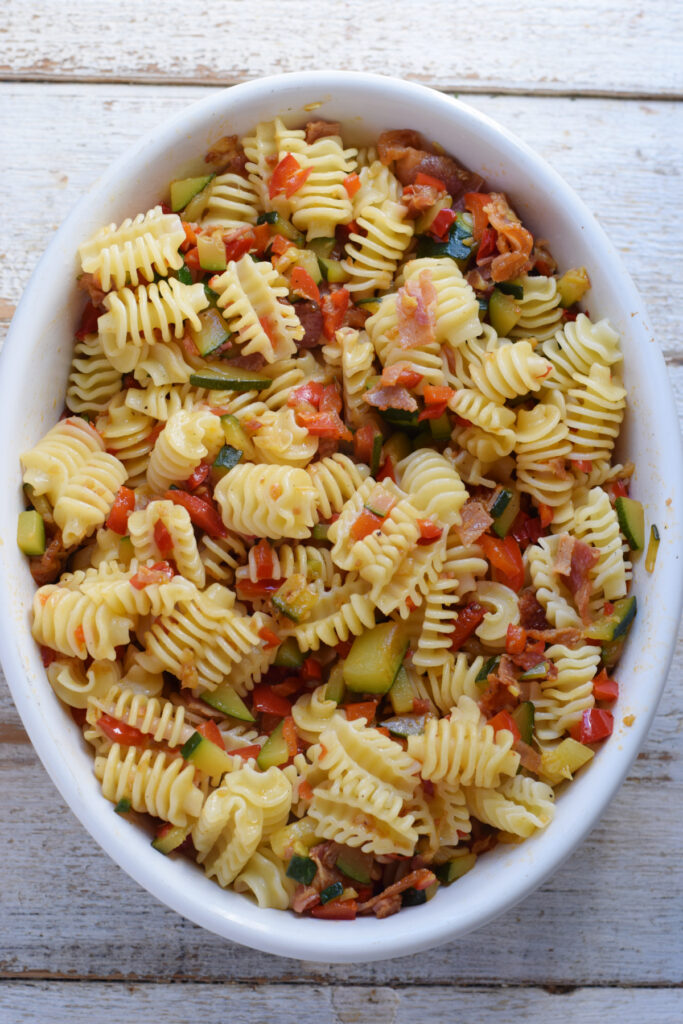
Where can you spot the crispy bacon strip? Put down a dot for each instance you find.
(228, 154)
(390, 397)
(568, 637)
(563, 558)
(583, 559)
(416, 310)
(475, 521)
(531, 612)
(514, 242)
(305, 897)
(417, 199)
(321, 130)
(420, 879)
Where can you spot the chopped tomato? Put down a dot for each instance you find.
(264, 700)
(302, 283)
(351, 183)
(246, 752)
(154, 433)
(515, 641)
(361, 709)
(435, 394)
(429, 531)
(163, 539)
(583, 465)
(238, 243)
(366, 523)
(305, 790)
(248, 590)
(605, 688)
(427, 179)
(271, 639)
(546, 514)
(202, 513)
(343, 648)
(120, 732)
(124, 503)
(468, 619)
(192, 259)
(190, 237)
(88, 324)
(331, 400)
(280, 245)
(198, 476)
(267, 326)
(210, 731)
(288, 686)
(261, 238)
(504, 720)
(289, 735)
(595, 725)
(311, 669)
(505, 555)
(324, 424)
(387, 471)
(288, 177)
(146, 576)
(475, 202)
(311, 392)
(334, 306)
(487, 246)
(617, 489)
(264, 563)
(364, 442)
(336, 910)
(441, 224)
(401, 375)
(433, 412)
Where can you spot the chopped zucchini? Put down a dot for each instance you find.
(211, 295)
(212, 333)
(297, 837)
(236, 436)
(455, 868)
(504, 312)
(565, 759)
(539, 671)
(224, 699)
(500, 502)
(232, 378)
(459, 245)
(185, 189)
(511, 288)
(322, 246)
(332, 892)
(31, 533)
(333, 271)
(413, 897)
(270, 217)
(211, 253)
(401, 694)
(185, 274)
(486, 669)
(375, 462)
(631, 522)
(402, 418)
(123, 806)
(336, 688)
(440, 428)
(170, 837)
(227, 459)
(611, 627)
(320, 531)
(274, 751)
(422, 440)
(504, 519)
(295, 599)
(371, 305)
(483, 307)
(281, 226)
(288, 654)
(206, 756)
(375, 658)
(523, 716)
(308, 261)
(652, 549)
(355, 864)
(302, 869)
(573, 285)
(406, 725)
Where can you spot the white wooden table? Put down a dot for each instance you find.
(595, 87)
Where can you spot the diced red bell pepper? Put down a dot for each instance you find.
(246, 752)
(583, 465)
(487, 246)
(336, 910)
(331, 400)
(264, 563)
(88, 324)
(436, 394)
(202, 513)
(364, 442)
(210, 731)
(617, 489)
(198, 476)
(475, 203)
(515, 641)
(288, 686)
(301, 283)
(310, 392)
(427, 179)
(387, 471)
(190, 237)
(261, 239)
(343, 648)
(595, 725)
(505, 555)
(361, 709)
(288, 177)
(366, 523)
(351, 183)
(289, 735)
(120, 732)
(163, 539)
(468, 619)
(546, 514)
(280, 245)
(334, 306)
(324, 424)
(305, 790)
(192, 259)
(267, 326)
(248, 590)
(264, 700)
(311, 669)
(270, 638)
(238, 243)
(124, 504)
(401, 376)
(605, 688)
(504, 720)
(432, 412)
(47, 655)
(441, 224)
(429, 531)
(147, 576)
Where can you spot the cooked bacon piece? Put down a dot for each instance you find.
(514, 241)
(387, 905)
(90, 283)
(393, 145)
(475, 521)
(568, 637)
(531, 611)
(228, 154)
(558, 467)
(401, 374)
(583, 558)
(305, 897)
(416, 311)
(48, 567)
(321, 130)
(529, 758)
(497, 697)
(417, 199)
(420, 879)
(390, 397)
(355, 316)
(311, 317)
(412, 157)
(325, 856)
(255, 361)
(563, 558)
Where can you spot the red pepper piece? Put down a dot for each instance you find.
(147, 576)
(366, 523)
(515, 642)
(504, 720)
(163, 539)
(427, 179)
(311, 392)
(288, 177)
(124, 504)
(336, 910)
(270, 638)
(88, 324)
(595, 725)
(429, 531)
(210, 731)
(605, 688)
(264, 700)
(333, 306)
(119, 732)
(361, 709)
(468, 619)
(487, 246)
(202, 513)
(198, 476)
(351, 183)
(441, 224)
(301, 283)
(246, 752)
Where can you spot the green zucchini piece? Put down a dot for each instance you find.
(503, 521)
(406, 725)
(454, 869)
(372, 305)
(440, 428)
(319, 531)
(232, 378)
(523, 716)
(206, 756)
(510, 288)
(422, 440)
(270, 217)
(336, 688)
(611, 652)
(185, 189)
(224, 699)
(355, 864)
(611, 627)
(413, 898)
(401, 694)
(332, 892)
(212, 333)
(211, 253)
(500, 503)
(322, 246)
(236, 436)
(572, 286)
(123, 806)
(281, 226)
(375, 658)
(227, 458)
(483, 307)
(489, 666)
(631, 522)
(333, 271)
(185, 274)
(31, 533)
(402, 418)
(211, 295)
(302, 869)
(274, 751)
(170, 837)
(652, 549)
(504, 313)
(288, 654)
(456, 246)
(309, 262)
(295, 599)
(539, 671)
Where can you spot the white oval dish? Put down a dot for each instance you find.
(33, 372)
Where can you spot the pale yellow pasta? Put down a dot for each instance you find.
(540, 308)
(481, 411)
(154, 782)
(149, 243)
(595, 410)
(187, 438)
(340, 613)
(127, 433)
(503, 611)
(163, 721)
(579, 345)
(305, 559)
(162, 400)
(596, 524)
(280, 440)
(222, 555)
(75, 685)
(176, 521)
(483, 446)
(93, 381)
(267, 501)
(542, 446)
(87, 497)
(509, 371)
(433, 484)
(231, 202)
(312, 713)
(52, 462)
(357, 356)
(520, 806)
(264, 878)
(335, 479)
(447, 683)
(372, 257)
(549, 588)
(565, 697)
(416, 572)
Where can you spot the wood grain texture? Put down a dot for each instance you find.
(333, 1004)
(598, 47)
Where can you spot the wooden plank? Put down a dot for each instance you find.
(291, 1004)
(594, 47)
